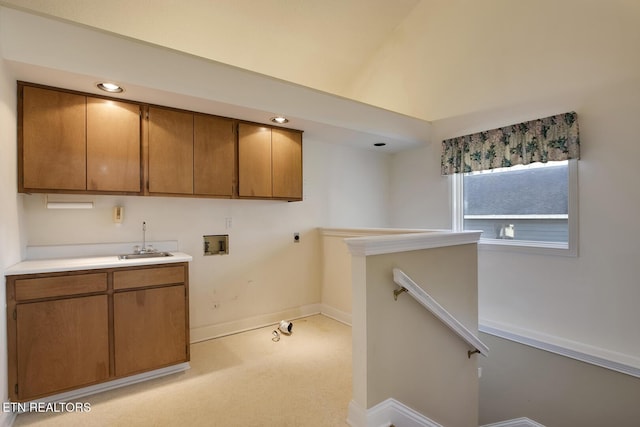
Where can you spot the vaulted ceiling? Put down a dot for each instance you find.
(427, 60)
(296, 57)
(319, 44)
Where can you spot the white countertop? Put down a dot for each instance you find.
(89, 263)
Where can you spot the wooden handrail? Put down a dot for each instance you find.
(409, 286)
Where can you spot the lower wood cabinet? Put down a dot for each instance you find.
(62, 344)
(149, 329)
(69, 330)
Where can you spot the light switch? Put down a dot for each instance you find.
(118, 214)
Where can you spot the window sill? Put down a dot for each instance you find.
(529, 247)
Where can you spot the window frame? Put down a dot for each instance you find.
(524, 246)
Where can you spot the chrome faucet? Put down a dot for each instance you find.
(144, 237)
(144, 249)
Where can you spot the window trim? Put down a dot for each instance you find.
(524, 246)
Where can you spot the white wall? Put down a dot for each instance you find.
(265, 272)
(520, 381)
(10, 208)
(402, 351)
(479, 65)
(420, 197)
(358, 188)
(587, 302)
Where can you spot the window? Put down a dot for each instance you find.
(518, 184)
(526, 207)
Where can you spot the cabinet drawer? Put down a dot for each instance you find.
(144, 277)
(57, 286)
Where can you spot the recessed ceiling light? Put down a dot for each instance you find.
(379, 144)
(280, 120)
(110, 87)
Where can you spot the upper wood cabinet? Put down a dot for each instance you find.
(71, 142)
(254, 161)
(170, 151)
(286, 161)
(269, 162)
(190, 153)
(214, 162)
(113, 145)
(53, 140)
(76, 143)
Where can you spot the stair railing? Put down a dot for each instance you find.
(409, 286)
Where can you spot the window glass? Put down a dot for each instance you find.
(521, 203)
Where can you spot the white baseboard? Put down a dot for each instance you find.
(357, 415)
(74, 395)
(384, 414)
(600, 357)
(209, 332)
(335, 314)
(7, 419)
(518, 422)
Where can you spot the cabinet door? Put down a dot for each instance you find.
(286, 152)
(53, 140)
(61, 344)
(214, 156)
(170, 151)
(149, 329)
(254, 161)
(113, 145)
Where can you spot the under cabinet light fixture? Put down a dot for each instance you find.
(60, 204)
(69, 205)
(280, 120)
(110, 87)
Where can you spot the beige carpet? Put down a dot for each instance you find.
(240, 380)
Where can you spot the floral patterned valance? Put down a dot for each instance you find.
(550, 139)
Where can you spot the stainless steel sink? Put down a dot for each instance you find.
(145, 255)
